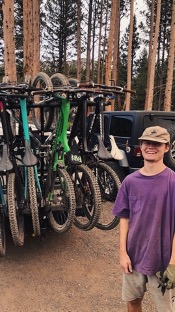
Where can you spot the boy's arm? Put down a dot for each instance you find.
(125, 261)
(172, 259)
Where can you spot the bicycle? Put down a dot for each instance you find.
(85, 185)
(58, 190)
(93, 151)
(107, 179)
(17, 98)
(10, 177)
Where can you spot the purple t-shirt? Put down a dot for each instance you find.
(149, 204)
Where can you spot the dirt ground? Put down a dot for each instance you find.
(73, 272)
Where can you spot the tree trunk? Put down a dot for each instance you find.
(150, 51)
(129, 69)
(31, 39)
(104, 45)
(79, 40)
(99, 44)
(88, 62)
(36, 37)
(116, 52)
(110, 51)
(150, 89)
(9, 41)
(93, 38)
(110, 42)
(116, 44)
(169, 81)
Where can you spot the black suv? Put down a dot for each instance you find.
(127, 127)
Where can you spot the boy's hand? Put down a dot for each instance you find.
(167, 278)
(169, 273)
(125, 263)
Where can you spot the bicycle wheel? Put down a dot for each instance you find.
(33, 201)
(109, 184)
(61, 203)
(59, 80)
(2, 235)
(16, 219)
(42, 80)
(88, 199)
(73, 82)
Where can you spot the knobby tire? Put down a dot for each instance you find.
(42, 80)
(109, 184)
(33, 201)
(63, 204)
(16, 219)
(88, 197)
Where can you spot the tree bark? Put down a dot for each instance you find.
(110, 42)
(169, 81)
(88, 62)
(129, 69)
(36, 37)
(31, 38)
(116, 52)
(103, 63)
(99, 43)
(116, 43)
(9, 41)
(79, 40)
(150, 89)
(150, 51)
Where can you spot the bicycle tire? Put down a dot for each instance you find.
(2, 235)
(16, 219)
(73, 82)
(61, 214)
(33, 201)
(117, 169)
(42, 80)
(109, 184)
(88, 199)
(59, 80)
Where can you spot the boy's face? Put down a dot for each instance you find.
(153, 151)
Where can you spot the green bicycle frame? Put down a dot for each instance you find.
(60, 142)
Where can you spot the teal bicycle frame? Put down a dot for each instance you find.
(23, 108)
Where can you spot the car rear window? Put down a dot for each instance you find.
(166, 122)
(121, 126)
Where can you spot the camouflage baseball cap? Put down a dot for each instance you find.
(157, 134)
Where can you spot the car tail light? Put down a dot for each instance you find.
(137, 152)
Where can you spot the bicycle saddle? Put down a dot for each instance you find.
(5, 163)
(29, 158)
(115, 151)
(102, 151)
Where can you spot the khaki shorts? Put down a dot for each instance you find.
(134, 287)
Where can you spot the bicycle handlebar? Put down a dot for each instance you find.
(23, 88)
(95, 85)
(73, 90)
(13, 95)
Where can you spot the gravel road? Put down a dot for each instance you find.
(73, 272)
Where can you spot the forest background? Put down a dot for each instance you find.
(84, 39)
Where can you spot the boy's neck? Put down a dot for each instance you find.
(150, 169)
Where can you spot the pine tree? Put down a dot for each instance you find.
(139, 80)
(59, 33)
